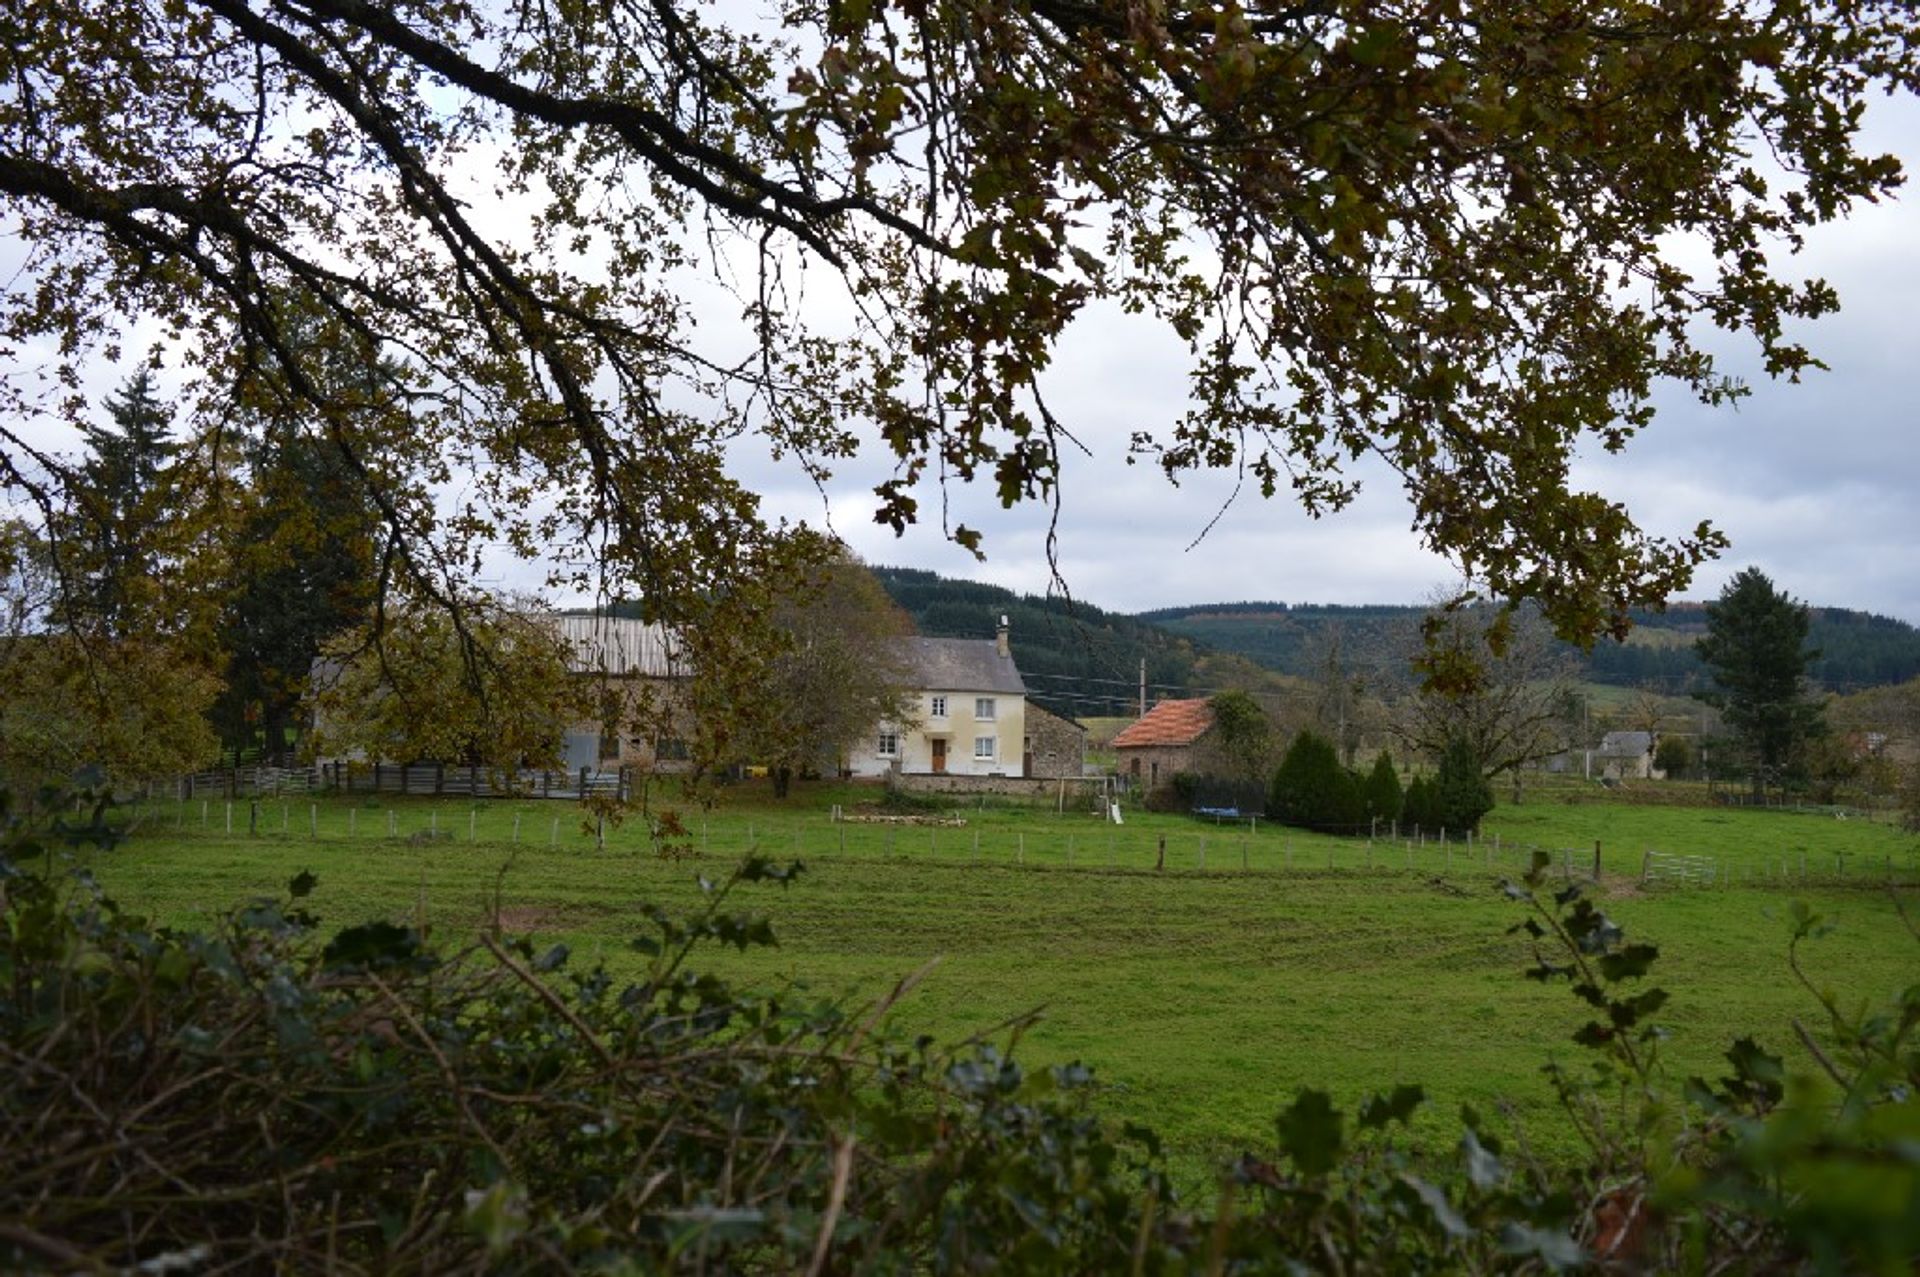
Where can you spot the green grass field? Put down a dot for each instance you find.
(1205, 995)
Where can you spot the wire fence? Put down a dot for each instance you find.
(1245, 846)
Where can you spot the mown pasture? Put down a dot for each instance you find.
(1258, 961)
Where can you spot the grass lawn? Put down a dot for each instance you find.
(1205, 995)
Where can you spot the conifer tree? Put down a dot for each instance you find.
(1755, 646)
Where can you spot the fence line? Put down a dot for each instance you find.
(1216, 850)
(420, 779)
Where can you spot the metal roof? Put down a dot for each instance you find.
(613, 645)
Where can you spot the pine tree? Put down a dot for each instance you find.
(111, 543)
(1755, 646)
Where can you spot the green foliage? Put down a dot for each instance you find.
(301, 566)
(1243, 732)
(1461, 794)
(1420, 807)
(1312, 790)
(137, 710)
(1806, 1175)
(1756, 647)
(1674, 756)
(489, 687)
(116, 542)
(1381, 791)
(499, 1108)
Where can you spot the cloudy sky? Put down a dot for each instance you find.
(1818, 484)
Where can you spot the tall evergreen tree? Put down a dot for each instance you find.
(1756, 648)
(111, 549)
(302, 572)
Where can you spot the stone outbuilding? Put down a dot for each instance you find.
(1174, 736)
(1056, 746)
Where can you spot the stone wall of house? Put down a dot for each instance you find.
(1057, 746)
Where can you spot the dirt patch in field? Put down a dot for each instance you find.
(520, 919)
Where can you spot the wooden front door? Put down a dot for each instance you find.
(939, 755)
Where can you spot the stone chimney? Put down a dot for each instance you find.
(1000, 639)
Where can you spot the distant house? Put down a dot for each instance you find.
(643, 680)
(1172, 737)
(1624, 756)
(968, 716)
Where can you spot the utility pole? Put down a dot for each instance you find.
(1143, 687)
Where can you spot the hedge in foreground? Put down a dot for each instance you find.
(256, 1099)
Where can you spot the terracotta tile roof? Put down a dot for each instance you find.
(1168, 723)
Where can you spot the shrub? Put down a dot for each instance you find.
(1461, 793)
(1381, 791)
(257, 1099)
(1311, 789)
(1420, 807)
(1673, 756)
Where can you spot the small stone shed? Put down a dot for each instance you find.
(1174, 736)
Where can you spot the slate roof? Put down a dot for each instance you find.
(1168, 723)
(961, 665)
(1626, 744)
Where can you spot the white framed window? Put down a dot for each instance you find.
(937, 707)
(983, 708)
(889, 745)
(984, 746)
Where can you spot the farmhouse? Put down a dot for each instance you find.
(968, 716)
(1624, 756)
(1174, 736)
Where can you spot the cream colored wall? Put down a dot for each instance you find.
(960, 727)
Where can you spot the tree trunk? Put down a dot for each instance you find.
(782, 778)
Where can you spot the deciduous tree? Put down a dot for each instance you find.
(486, 686)
(137, 710)
(830, 674)
(1495, 682)
(1466, 239)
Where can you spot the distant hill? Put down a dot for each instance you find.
(1857, 649)
(1078, 659)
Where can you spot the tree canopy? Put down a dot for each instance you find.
(1464, 238)
(1493, 682)
(488, 686)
